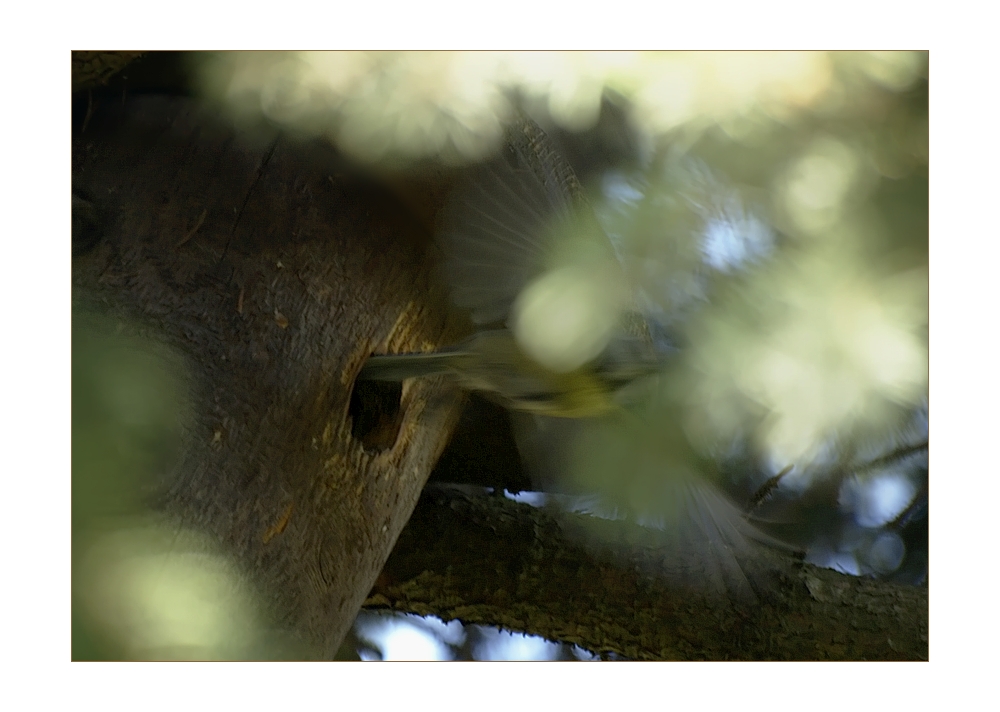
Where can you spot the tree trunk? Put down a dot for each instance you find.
(276, 270)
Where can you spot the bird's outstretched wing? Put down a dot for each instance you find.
(690, 533)
(510, 220)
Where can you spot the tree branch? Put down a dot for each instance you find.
(491, 561)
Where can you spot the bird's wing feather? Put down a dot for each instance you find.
(693, 536)
(496, 231)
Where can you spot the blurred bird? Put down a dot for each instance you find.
(491, 362)
(562, 346)
(523, 253)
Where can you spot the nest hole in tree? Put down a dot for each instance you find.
(376, 415)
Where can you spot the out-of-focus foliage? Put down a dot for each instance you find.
(143, 587)
(451, 106)
(817, 343)
(146, 590)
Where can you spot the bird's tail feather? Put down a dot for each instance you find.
(398, 367)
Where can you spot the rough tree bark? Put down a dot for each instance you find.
(276, 269)
(276, 272)
(489, 560)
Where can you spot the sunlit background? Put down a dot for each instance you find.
(770, 212)
(452, 105)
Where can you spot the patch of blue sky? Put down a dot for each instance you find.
(878, 499)
(616, 189)
(504, 645)
(590, 504)
(409, 637)
(842, 561)
(732, 238)
(535, 499)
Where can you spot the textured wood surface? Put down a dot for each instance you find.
(489, 560)
(276, 270)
